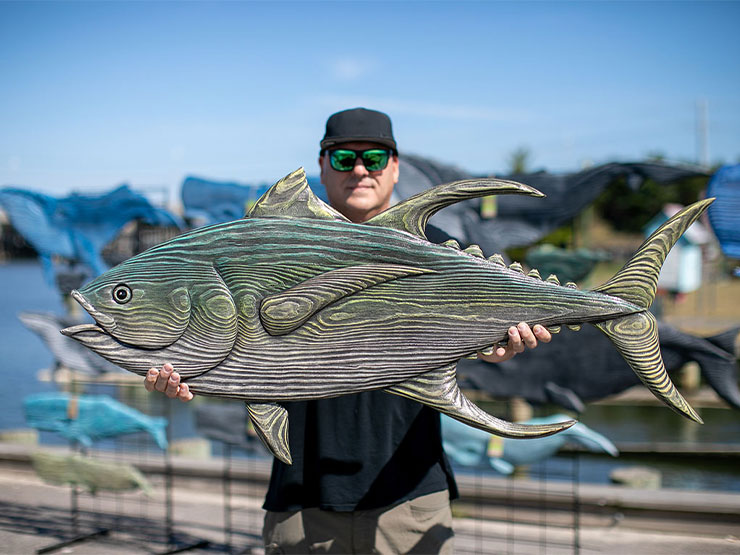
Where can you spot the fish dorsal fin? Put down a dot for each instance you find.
(271, 424)
(412, 214)
(291, 197)
(286, 311)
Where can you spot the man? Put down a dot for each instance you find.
(369, 473)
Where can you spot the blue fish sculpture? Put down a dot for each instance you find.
(295, 302)
(87, 418)
(469, 446)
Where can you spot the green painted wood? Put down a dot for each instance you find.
(294, 303)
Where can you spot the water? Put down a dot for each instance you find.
(23, 354)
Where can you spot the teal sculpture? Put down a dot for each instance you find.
(88, 418)
(88, 472)
(295, 302)
(470, 447)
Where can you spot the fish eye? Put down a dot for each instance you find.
(122, 293)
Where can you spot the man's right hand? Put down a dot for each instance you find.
(167, 381)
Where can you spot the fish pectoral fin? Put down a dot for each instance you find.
(291, 197)
(438, 389)
(286, 311)
(271, 424)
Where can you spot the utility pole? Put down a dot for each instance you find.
(702, 132)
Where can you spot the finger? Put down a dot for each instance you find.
(151, 379)
(173, 385)
(163, 378)
(542, 333)
(184, 394)
(515, 340)
(527, 336)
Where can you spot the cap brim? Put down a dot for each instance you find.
(328, 143)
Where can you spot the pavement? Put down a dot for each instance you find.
(189, 512)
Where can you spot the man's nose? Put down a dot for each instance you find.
(360, 168)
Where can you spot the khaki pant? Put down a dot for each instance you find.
(421, 525)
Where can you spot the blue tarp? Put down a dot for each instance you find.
(209, 202)
(77, 227)
(724, 213)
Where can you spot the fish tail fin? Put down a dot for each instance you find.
(636, 335)
(637, 281)
(636, 338)
(158, 430)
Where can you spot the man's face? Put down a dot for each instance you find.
(359, 194)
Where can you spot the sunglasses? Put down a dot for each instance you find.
(374, 159)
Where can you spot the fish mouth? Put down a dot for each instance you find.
(81, 328)
(105, 321)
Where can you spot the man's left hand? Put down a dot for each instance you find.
(520, 337)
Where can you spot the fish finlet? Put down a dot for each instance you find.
(574, 327)
(517, 267)
(451, 243)
(554, 329)
(552, 278)
(535, 273)
(497, 259)
(488, 350)
(571, 285)
(474, 250)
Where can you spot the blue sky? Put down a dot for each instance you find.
(94, 94)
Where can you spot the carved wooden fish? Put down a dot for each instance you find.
(295, 302)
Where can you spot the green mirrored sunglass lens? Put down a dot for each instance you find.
(343, 159)
(375, 159)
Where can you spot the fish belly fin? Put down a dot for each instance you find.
(158, 429)
(411, 215)
(291, 197)
(288, 310)
(271, 424)
(636, 338)
(636, 335)
(438, 389)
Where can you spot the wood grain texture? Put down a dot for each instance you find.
(294, 302)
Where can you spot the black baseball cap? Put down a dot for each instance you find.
(358, 124)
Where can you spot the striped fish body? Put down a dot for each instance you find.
(372, 338)
(294, 302)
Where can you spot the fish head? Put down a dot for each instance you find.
(137, 310)
(148, 312)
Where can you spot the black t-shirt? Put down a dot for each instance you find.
(361, 451)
